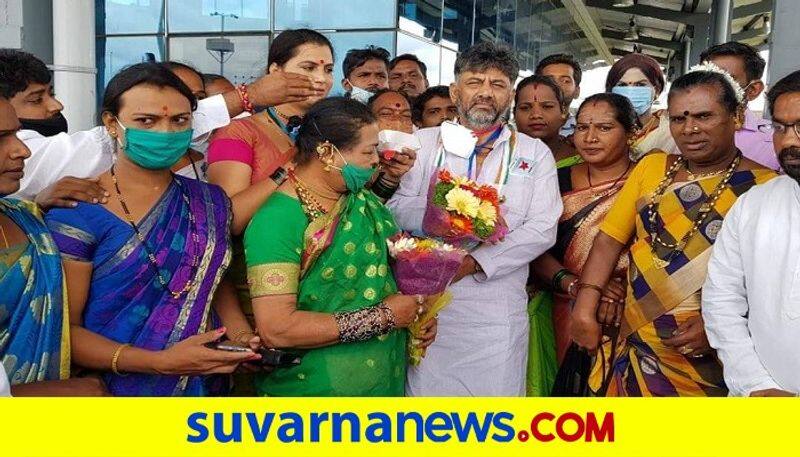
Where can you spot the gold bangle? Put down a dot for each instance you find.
(115, 358)
(584, 285)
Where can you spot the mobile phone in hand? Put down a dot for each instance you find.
(227, 346)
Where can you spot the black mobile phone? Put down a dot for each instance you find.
(227, 346)
(278, 358)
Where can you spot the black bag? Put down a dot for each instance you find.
(572, 379)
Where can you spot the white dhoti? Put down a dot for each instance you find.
(481, 347)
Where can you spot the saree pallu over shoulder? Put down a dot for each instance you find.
(34, 327)
(345, 268)
(127, 302)
(655, 291)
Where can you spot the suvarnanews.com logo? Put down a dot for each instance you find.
(400, 427)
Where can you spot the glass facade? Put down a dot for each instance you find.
(131, 31)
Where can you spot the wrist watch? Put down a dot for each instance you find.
(279, 176)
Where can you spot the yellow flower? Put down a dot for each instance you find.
(487, 213)
(463, 202)
(461, 181)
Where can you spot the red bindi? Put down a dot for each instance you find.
(397, 105)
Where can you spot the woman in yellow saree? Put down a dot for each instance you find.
(671, 209)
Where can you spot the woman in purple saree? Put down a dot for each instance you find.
(142, 269)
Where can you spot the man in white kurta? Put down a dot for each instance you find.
(751, 298)
(482, 341)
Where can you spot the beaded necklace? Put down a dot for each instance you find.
(702, 214)
(150, 257)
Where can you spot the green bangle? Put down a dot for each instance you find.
(561, 274)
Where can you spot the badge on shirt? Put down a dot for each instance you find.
(522, 166)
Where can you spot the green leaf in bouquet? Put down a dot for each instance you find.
(440, 193)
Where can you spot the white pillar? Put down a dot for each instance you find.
(74, 61)
(784, 41)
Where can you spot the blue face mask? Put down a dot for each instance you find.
(641, 97)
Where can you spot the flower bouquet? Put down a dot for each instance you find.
(423, 267)
(462, 212)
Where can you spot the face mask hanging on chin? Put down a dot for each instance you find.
(51, 126)
(458, 139)
(355, 177)
(360, 95)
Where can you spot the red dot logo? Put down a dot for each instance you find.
(523, 436)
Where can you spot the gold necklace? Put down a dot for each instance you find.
(311, 206)
(696, 176)
(702, 214)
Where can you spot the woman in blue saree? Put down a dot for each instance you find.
(34, 335)
(142, 268)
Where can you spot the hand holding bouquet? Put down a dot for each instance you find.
(462, 212)
(424, 267)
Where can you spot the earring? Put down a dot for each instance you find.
(323, 151)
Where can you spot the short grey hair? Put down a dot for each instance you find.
(485, 55)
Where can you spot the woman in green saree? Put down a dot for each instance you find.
(318, 266)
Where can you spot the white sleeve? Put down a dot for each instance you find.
(211, 114)
(5, 388)
(537, 233)
(725, 308)
(82, 154)
(410, 199)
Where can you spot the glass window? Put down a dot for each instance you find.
(485, 20)
(421, 17)
(206, 15)
(458, 24)
(448, 65)
(115, 53)
(247, 62)
(327, 14)
(129, 16)
(426, 52)
(344, 41)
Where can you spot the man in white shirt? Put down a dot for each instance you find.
(89, 153)
(751, 298)
(481, 347)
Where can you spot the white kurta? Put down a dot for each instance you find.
(89, 153)
(751, 298)
(481, 348)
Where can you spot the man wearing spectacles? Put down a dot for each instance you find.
(751, 298)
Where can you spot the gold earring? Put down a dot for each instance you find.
(324, 153)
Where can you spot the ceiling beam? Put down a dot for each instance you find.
(655, 42)
(749, 34)
(762, 7)
(652, 11)
(622, 52)
(581, 15)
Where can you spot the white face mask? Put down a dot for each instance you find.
(359, 94)
(458, 139)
